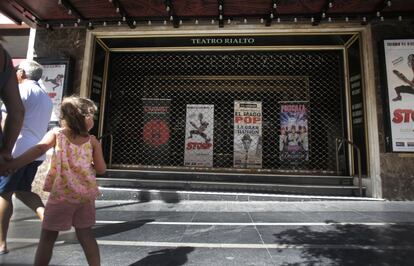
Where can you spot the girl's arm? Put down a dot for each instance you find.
(48, 141)
(98, 159)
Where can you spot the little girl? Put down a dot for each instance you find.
(70, 180)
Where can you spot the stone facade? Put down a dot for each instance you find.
(61, 43)
(397, 169)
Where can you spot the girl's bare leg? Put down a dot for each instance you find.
(45, 247)
(89, 245)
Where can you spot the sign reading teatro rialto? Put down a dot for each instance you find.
(223, 41)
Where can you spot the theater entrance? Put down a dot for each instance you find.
(254, 107)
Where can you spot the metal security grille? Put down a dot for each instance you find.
(220, 78)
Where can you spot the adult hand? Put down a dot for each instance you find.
(4, 158)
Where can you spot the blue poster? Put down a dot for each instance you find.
(293, 138)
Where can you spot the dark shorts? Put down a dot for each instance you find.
(21, 180)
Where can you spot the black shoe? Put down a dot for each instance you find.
(398, 98)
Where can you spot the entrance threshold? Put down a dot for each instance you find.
(175, 196)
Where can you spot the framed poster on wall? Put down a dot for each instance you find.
(399, 64)
(56, 80)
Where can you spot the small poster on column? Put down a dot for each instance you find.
(247, 134)
(293, 138)
(199, 131)
(156, 130)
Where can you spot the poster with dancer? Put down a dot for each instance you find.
(52, 81)
(199, 132)
(293, 137)
(247, 134)
(399, 61)
(156, 129)
(56, 81)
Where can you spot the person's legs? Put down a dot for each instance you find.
(6, 211)
(24, 190)
(89, 245)
(33, 201)
(45, 248)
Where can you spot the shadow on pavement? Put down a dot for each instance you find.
(165, 257)
(167, 197)
(112, 229)
(351, 244)
(118, 205)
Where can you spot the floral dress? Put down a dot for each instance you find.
(71, 176)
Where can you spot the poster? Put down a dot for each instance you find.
(293, 138)
(53, 81)
(156, 129)
(247, 134)
(199, 132)
(399, 61)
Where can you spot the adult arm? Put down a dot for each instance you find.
(15, 110)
